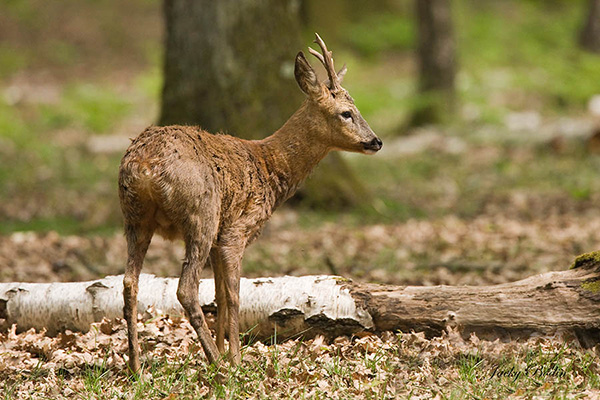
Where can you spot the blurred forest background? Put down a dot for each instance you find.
(489, 112)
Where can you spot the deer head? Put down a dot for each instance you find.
(336, 117)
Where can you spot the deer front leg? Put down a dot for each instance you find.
(232, 282)
(231, 263)
(220, 298)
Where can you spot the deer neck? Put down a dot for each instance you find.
(293, 151)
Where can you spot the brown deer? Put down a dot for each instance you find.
(217, 191)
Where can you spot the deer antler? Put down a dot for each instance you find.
(327, 61)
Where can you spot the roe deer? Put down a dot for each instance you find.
(217, 191)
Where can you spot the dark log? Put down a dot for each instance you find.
(564, 301)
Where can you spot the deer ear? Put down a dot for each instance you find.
(341, 73)
(305, 76)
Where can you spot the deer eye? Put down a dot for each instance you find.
(346, 114)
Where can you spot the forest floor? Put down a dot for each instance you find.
(388, 366)
(506, 190)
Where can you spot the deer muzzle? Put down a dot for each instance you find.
(372, 146)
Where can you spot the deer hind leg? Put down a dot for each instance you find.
(220, 297)
(197, 251)
(138, 240)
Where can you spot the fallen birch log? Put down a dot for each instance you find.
(289, 304)
(567, 301)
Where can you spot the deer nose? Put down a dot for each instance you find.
(373, 145)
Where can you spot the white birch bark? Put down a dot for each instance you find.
(288, 305)
(563, 301)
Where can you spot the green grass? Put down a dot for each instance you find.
(51, 179)
(64, 225)
(91, 107)
(435, 184)
(533, 372)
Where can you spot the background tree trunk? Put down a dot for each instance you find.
(229, 67)
(436, 53)
(566, 301)
(589, 37)
(333, 185)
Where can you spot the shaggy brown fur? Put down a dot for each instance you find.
(216, 192)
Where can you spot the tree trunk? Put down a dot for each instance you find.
(229, 67)
(436, 56)
(333, 185)
(566, 301)
(589, 37)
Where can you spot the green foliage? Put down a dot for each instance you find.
(23, 10)
(13, 127)
(150, 82)
(381, 33)
(51, 178)
(530, 49)
(61, 53)
(12, 59)
(512, 55)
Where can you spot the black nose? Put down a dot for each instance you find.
(377, 142)
(374, 144)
